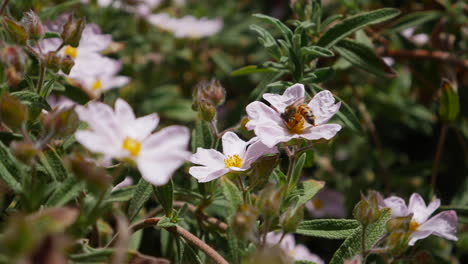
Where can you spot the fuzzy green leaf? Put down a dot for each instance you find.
(141, 194)
(232, 194)
(8, 168)
(165, 196)
(65, 192)
(202, 137)
(296, 172)
(305, 191)
(413, 19)
(249, 70)
(449, 102)
(328, 228)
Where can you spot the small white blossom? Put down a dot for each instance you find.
(187, 26)
(443, 224)
(139, 7)
(237, 155)
(418, 39)
(296, 251)
(271, 128)
(119, 134)
(327, 203)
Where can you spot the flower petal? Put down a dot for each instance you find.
(443, 224)
(98, 144)
(255, 151)
(233, 145)
(158, 169)
(397, 205)
(301, 252)
(168, 139)
(417, 206)
(323, 106)
(290, 95)
(418, 235)
(206, 174)
(260, 113)
(208, 157)
(326, 131)
(124, 112)
(270, 135)
(143, 126)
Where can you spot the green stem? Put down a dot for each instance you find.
(40, 82)
(438, 155)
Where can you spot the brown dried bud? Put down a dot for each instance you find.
(33, 25)
(212, 92)
(18, 32)
(13, 76)
(53, 61)
(24, 151)
(72, 31)
(206, 110)
(13, 56)
(60, 122)
(12, 112)
(291, 219)
(66, 64)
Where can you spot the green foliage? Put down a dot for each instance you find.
(140, 195)
(328, 228)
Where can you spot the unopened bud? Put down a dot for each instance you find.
(66, 64)
(96, 177)
(367, 210)
(13, 76)
(354, 260)
(244, 222)
(53, 61)
(397, 243)
(215, 92)
(271, 254)
(269, 201)
(72, 31)
(33, 25)
(401, 224)
(291, 219)
(18, 32)
(13, 56)
(12, 112)
(24, 151)
(206, 110)
(60, 122)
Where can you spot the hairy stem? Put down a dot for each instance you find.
(438, 155)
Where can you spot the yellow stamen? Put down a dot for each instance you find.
(296, 124)
(413, 226)
(233, 161)
(131, 145)
(70, 51)
(96, 85)
(318, 204)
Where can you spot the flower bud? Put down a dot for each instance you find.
(60, 122)
(13, 56)
(244, 222)
(18, 32)
(72, 31)
(367, 210)
(12, 112)
(271, 254)
(66, 64)
(96, 177)
(269, 201)
(212, 92)
(24, 151)
(53, 61)
(13, 76)
(397, 243)
(291, 219)
(206, 110)
(401, 224)
(449, 102)
(33, 25)
(355, 260)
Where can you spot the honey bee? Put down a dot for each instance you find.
(294, 113)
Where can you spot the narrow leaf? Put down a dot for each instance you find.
(413, 19)
(165, 196)
(232, 194)
(296, 172)
(305, 191)
(316, 51)
(449, 102)
(202, 136)
(65, 192)
(249, 70)
(141, 195)
(8, 168)
(328, 228)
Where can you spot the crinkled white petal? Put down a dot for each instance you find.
(99, 143)
(167, 140)
(443, 224)
(255, 151)
(233, 145)
(398, 206)
(208, 157)
(326, 131)
(123, 112)
(323, 106)
(206, 174)
(272, 135)
(290, 96)
(260, 113)
(145, 125)
(417, 206)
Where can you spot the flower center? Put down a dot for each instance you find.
(70, 51)
(97, 85)
(233, 161)
(413, 226)
(131, 145)
(295, 124)
(318, 204)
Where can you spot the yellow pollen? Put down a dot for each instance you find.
(295, 125)
(97, 85)
(131, 145)
(413, 226)
(233, 161)
(70, 51)
(318, 204)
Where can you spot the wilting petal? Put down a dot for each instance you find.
(417, 206)
(290, 95)
(326, 131)
(233, 145)
(260, 113)
(206, 174)
(443, 224)
(208, 157)
(255, 151)
(323, 106)
(397, 205)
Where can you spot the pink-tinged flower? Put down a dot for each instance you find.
(59, 101)
(296, 251)
(119, 134)
(269, 125)
(187, 26)
(443, 224)
(237, 155)
(327, 203)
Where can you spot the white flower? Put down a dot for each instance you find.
(128, 181)
(296, 251)
(418, 39)
(327, 203)
(59, 102)
(139, 7)
(119, 134)
(237, 155)
(443, 224)
(187, 26)
(270, 127)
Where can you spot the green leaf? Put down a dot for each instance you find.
(287, 33)
(202, 137)
(324, 74)
(190, 256)
(233, 246)
(349, 25)
(232, 194)
(328, 228)
(99, 255)
(165, 196)
(268, 41)
(53, 165)
(249, 70)
(9, 167)
(449, 102)
(50, 12)
(305, 191)
(121, 195)
(49, 35)
(261, 88)
(304, 261)
(34, 102)
(364, 57)
(65, 192)
(329, 20)
(141, 194)
(296, 172)
(352, 245)
(413, 19)
(165, 222)
(316, 51)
